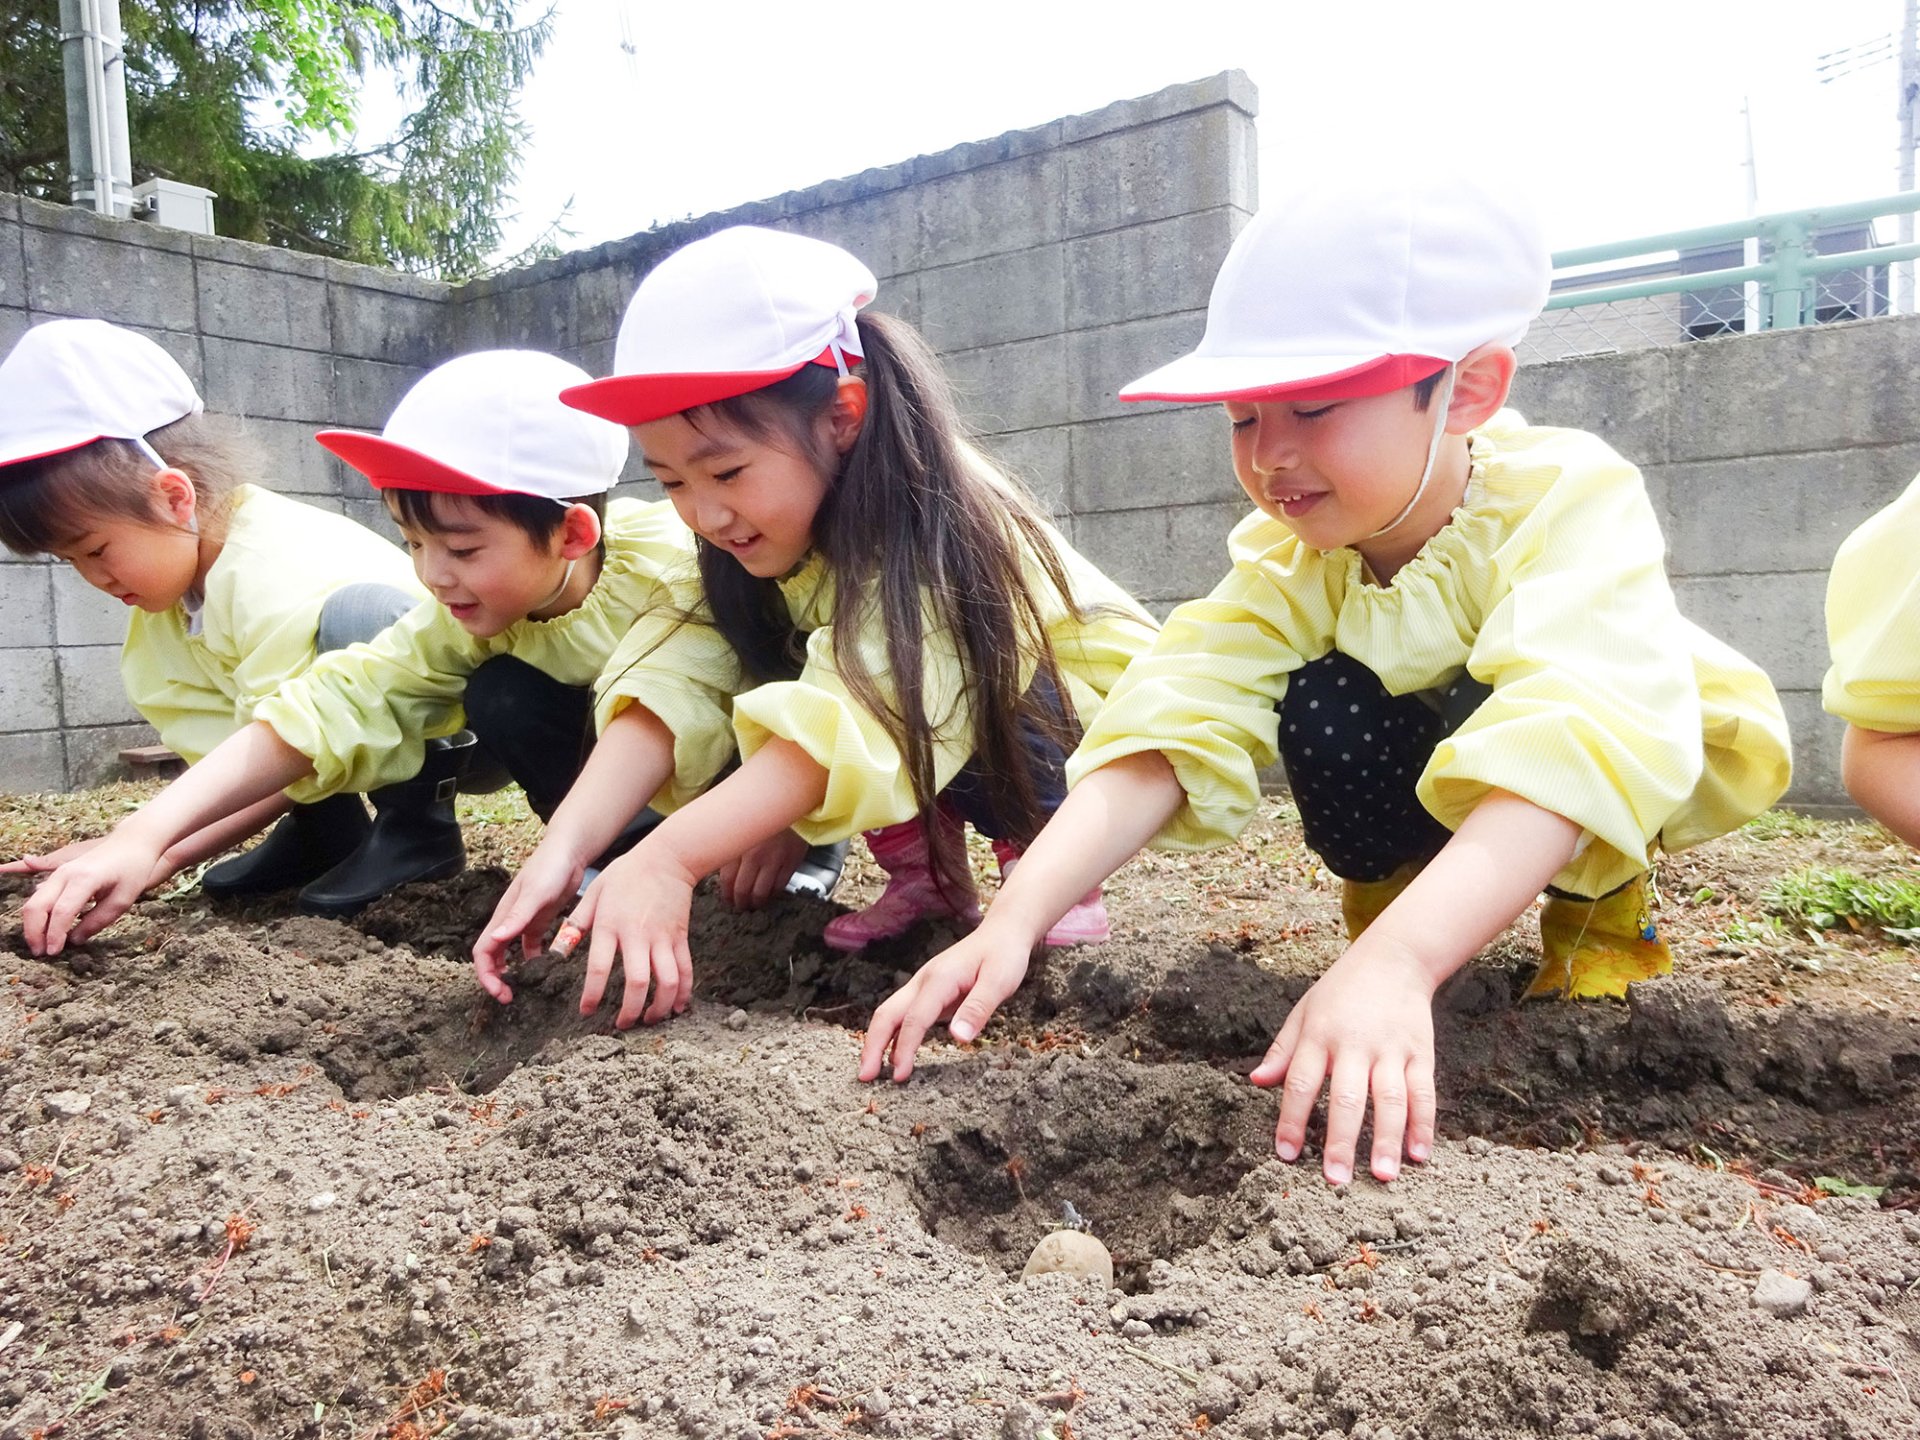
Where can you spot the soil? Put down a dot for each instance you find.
(269, 1175)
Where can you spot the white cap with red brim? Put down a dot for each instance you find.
(1360, 282)
(731, 313)
(489, 423)
(68, 383)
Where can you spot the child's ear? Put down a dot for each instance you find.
(579, 532)
(175, 497)
(848, 412)
(1481, 382)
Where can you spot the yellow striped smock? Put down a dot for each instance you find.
(1548, 584)
(1873, 621)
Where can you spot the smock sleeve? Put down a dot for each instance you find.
(1873, 622)
(1206, 694)
(171, 690)
(682, 670)
(363, 715)
(867, 782)
(1595, 713)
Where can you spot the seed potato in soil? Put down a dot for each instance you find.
(264, 1175)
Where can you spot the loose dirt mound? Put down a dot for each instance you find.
(271, 1176)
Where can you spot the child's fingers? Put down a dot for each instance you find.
(729, 878)
(666, 979)
(1389, 1115)
(106, 909)
(1273, 1065)
(1421, 1104)
(600, 952)
(1346, 1109)
(934, 992)
(25, 865)
(770, 877)
(998, 977)
(880, 1029)
(492, 978)
(683, 959)
(1298, 1091)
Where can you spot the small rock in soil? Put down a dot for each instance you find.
(1781, 1294)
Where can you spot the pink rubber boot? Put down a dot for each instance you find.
(1085, 924)
(913, 892)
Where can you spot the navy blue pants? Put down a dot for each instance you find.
(967, 792)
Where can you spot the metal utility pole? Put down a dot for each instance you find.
(1909, 69)
(93, 53)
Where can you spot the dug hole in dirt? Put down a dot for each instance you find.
(266, 1175)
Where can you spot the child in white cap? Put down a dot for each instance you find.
(108, 462)
(500, 492)
(920, 643)
(1453, 628)
(1873, 630)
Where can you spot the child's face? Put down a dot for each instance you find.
(148, 563)
(1332, 471)
(747, 496)
(487, 571)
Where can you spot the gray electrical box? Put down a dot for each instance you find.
(177, 206)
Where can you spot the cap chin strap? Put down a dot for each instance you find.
(1445, 398)
(846, 340)
(565, 579)
(139, 442)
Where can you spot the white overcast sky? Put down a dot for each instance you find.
(1625, 115)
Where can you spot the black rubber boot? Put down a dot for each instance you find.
(415, 836)
(819, 871)
(307, 842)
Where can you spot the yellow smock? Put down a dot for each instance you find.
(867, 783)
(1548, 584)
(362, 715)
(1873, 622)
(280, 561)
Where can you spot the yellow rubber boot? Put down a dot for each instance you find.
(1596, 948)
(1361, 901)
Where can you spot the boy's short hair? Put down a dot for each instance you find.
(48, 502)
(535, 516)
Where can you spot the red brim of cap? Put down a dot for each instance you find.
(638, 399)
(399, 467)
(60, 449)
(1356, 382)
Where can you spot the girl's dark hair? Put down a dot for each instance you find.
(48, 503)
(537, 517)
(917, 531)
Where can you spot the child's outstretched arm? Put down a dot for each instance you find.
(1882, 771)
(1366, 1026)
(89, 893)
(1108, 817)
(628, 765)
(637, 910)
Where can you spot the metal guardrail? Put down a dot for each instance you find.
(1791, 283)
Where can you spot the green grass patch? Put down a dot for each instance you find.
(1829, 899)
(1788, 825)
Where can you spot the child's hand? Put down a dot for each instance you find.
(637, 910)
(966, 981)
(86, 895)
(1367, 1023)
(750, 881)
(545, 883)
(52, 860)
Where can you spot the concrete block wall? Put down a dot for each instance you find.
(1048, 267)
(1762, 453)
(287, 342)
